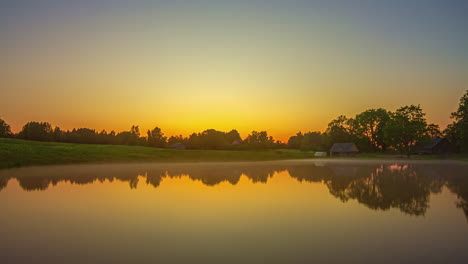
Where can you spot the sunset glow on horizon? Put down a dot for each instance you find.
(187, 66)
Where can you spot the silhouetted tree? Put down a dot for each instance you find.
(106, 138)
(135, 130)
(295, 142)
(85, 136)
(369, 125)
(433, 131)
(457, 132)
(406, 129)
(232, 136)
(58, 135)
(5, 130)
(259, 140)
(156, 138)
(339, 130)
(212, 139)
(131, 137)
(194, 141)
(37, 131)
(177, 139)
(313, 141)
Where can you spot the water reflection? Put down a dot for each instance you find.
(378, 186)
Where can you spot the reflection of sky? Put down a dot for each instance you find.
(191, 65)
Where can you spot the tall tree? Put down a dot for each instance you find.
(370, 125)
(5, 130)
(406, 129)
(339, 130)
(131, 137)
(58, 134)
(135, 130)
(177, 139)
(312, 141)
(156, 138)
(259, 140)
(295, 142)
(433, 131)
(458, 130)
(40, 131)
(232, 136)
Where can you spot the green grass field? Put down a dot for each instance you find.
(17, 153)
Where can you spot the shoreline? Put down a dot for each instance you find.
(20, 153)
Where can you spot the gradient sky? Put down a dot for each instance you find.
(280, 66)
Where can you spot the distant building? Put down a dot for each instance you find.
(177, 146)
(344, 150)
(437, 146)
(236, 142)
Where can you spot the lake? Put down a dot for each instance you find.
(300, 211)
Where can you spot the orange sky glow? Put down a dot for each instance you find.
(244, 66)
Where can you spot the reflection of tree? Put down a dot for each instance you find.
(406, 187)
(3, 182)
(208, 174)
(340, 180)
(457, 182)
(155, 177)
(259, 173)
(33, 184)
(463, 204)
(386, 188)
(379, 186)
(133, 183)
(309, 173)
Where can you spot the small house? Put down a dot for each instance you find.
(177, 145)
(437, 146)
(344, 150)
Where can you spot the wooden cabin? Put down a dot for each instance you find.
(437, 146)
(344, 150)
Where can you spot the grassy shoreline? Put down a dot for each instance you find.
(20, 153)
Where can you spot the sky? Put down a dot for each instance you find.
(186, 66)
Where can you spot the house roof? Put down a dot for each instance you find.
(344, 147)
(435, 142)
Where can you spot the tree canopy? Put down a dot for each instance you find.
(457, 132)
(406, 129)
(5, 130)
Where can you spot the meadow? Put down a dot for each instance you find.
(18, 153)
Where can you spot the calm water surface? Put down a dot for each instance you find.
(263, 212)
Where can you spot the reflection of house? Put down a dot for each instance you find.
(177, 146)
(344, 150)
(437, 146)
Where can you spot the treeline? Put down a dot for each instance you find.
(379, 130)
(374, 130)
(208, 139)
